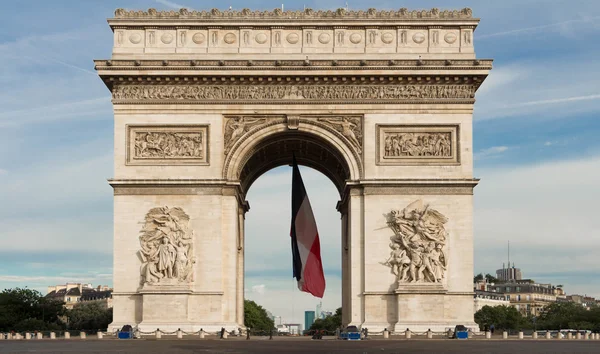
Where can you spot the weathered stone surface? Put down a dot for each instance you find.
(379, 101)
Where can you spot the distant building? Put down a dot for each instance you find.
(489, 298)
(508, 274)
(309, 319)
(101, 295)
(528, 297)
(585, 301)
(74, 293)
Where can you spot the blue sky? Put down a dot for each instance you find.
(536, 148)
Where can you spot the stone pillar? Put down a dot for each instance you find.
(27, 336)
(407, 334)
(240, 268)
(548, 335)
(201, 334)
(569, 335)
(1, 336)
(488, 335)
(52, 335)
(386, 334)
(429, 334)
(586, 336)
(67, 335)
(100, 335)
(505, 335)
(534, 335)
(179, 334)
(578, 335)
(82, 335)
(520, 334)
(157, 334)
(39, 335)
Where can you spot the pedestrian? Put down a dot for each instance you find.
(492, 329)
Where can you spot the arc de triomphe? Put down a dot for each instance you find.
(380, 102)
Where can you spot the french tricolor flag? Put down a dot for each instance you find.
(306, 250)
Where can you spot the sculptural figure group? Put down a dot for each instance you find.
(167, 247)
(168, 145)
(417, 144)
(417, 246)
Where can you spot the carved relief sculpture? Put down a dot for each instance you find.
(167, 145)
(236, 127)
(167, 248)
(418, 144)
(291, 92)
(417, 254)
(349, 127)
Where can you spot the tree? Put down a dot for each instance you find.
(90, 316)
(490, 278)
(255, 317)
(502, 317)
(478, 277)
(26, 309)
(560, 315)
(329, 323)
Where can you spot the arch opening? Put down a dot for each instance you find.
(310, 150)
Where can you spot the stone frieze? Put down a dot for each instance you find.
(291, 92)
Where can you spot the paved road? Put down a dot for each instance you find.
(258, 345)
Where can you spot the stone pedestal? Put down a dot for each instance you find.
(67, 335)
(52, 335)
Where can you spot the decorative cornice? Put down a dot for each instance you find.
(307, 14)
(416, 64)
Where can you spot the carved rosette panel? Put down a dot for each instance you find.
(418, 244)
(167, 145)
(278, 93)
(167, 248)
(418, 145)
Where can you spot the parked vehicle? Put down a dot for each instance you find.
(350, 333)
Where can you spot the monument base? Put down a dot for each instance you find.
(427, 306)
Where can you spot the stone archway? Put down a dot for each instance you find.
(270, 142)
(380, 102)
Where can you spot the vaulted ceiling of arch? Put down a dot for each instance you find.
(309, 150)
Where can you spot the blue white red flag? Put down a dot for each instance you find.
(306, 249)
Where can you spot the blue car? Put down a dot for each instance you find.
(350, 333)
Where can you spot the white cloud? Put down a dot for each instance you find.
(544, 89)
(560, 26)
(170, 4)
(493, 151)
(259, 289)
(548, 212)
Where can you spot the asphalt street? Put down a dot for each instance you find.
(290, 345)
